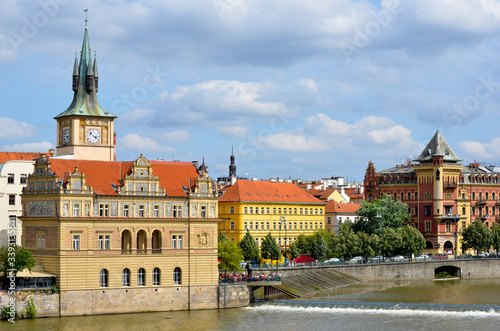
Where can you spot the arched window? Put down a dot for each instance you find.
(416, 195)
(141, 242)
(177, 276)
(103, 278)
(461, 179)
(480, 195)
(409, 196)
(395, 196)
(493, 196)
(156, 242)
(156, 276)
(473, 195)
(429, 245)
(486, 196)
(479, 180)
(126, 242)
(141, 277)
(126, 277)
(402, 196)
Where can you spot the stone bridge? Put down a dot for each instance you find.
(465, 269)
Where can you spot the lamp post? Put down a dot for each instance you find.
(283, 221)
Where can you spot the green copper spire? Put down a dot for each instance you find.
(85, 85)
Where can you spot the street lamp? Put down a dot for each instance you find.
(283, 221)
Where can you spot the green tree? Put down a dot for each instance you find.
(222, 236)
(303, 244)
(348, 243)
(380, 214)
(366, 248)
(293, 251)
(375, 244)
(476, 236)
(319, 249)
(495, 236)
(391, 242)
(412, 241)
(270, 249)
(15, 258)
(230, 255)
(249, 247)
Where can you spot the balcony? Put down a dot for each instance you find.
(450, 185)
(481, 202)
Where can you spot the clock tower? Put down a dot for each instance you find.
(85, 131)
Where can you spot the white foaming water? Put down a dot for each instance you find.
(364, 311)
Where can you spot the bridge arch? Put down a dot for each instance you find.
(449, 269)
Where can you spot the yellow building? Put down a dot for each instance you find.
(118, 236)
(262, 206)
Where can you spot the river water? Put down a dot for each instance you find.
(421, 305)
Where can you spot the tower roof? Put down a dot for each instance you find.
(85, 100)
(437, 147)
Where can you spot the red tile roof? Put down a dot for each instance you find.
(352, 192)
(333, 206)
(266, 191)
(9, 156)
(102, 174)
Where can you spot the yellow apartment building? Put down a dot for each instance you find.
(281, 208)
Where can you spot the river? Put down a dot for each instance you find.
(420, 305)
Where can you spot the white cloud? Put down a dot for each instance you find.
(140, 144)
(481, 151)
(176, 136)
(42, 147)
(295, 142)
(238, 131)
(12, 129)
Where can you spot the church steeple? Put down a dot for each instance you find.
(85, 129)
(85, 80)
(232, 167)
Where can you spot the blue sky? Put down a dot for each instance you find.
(304, 89)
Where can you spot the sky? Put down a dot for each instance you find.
(301, 88)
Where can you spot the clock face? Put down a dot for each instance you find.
(66, 136)
(93, 135)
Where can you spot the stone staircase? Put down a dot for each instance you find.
(311, 283)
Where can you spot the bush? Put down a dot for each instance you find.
(5, 312)
(30, 309)
(54, 288)
(443, 274)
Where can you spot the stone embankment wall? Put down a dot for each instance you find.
(47, 304)
(111, 301)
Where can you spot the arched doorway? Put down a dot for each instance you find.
(448, 247)
(141, 242)
(126, 242)
(429, 245)
(156, 245)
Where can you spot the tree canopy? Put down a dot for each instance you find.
(476, 236)
(319, 249)
(412, 241)
(270, 249)
(375, 216)
(495, 236)
(249, 247)
(347, 243)
(293, 251)
(16, 258)
(230, 255)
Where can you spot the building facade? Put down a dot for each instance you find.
(337, 213)
(14, 171)
(443, 195)
(269, 206)
(113, 228)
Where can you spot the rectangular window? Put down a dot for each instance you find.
(274, 210)
(267, 210)
(251, 210)
(300, 211)
(316, 226)
(177, 211)
(232, 226)
(12, 221)
(141, 210)
(76, 242)
(448, 226)
(427, 210)
(262, 225)
(301, 225)
(274, 225)
(40, 241)
(427, 226)
(251, 225)
(256, 210)
(321, 211)
(416, 225)
(493, 210)
(416, 211)
(463, 225)
(76, 210)
(284, 211)
(174, 241)
(23, 178)
(232, 210)
(179, 242)
(245, 210)
(262, 210)
(203, 212)
(295, 211)
(279, 211)
(267, 226)
(245, 225)
(10, 178)
(463, 210)
(305, 211)
(473, 210)
(295, 225)
(103, 210)
(104, 242)
(12, 199)
(305, 225)
(156, 211)
(256, 225)
(126, 210)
